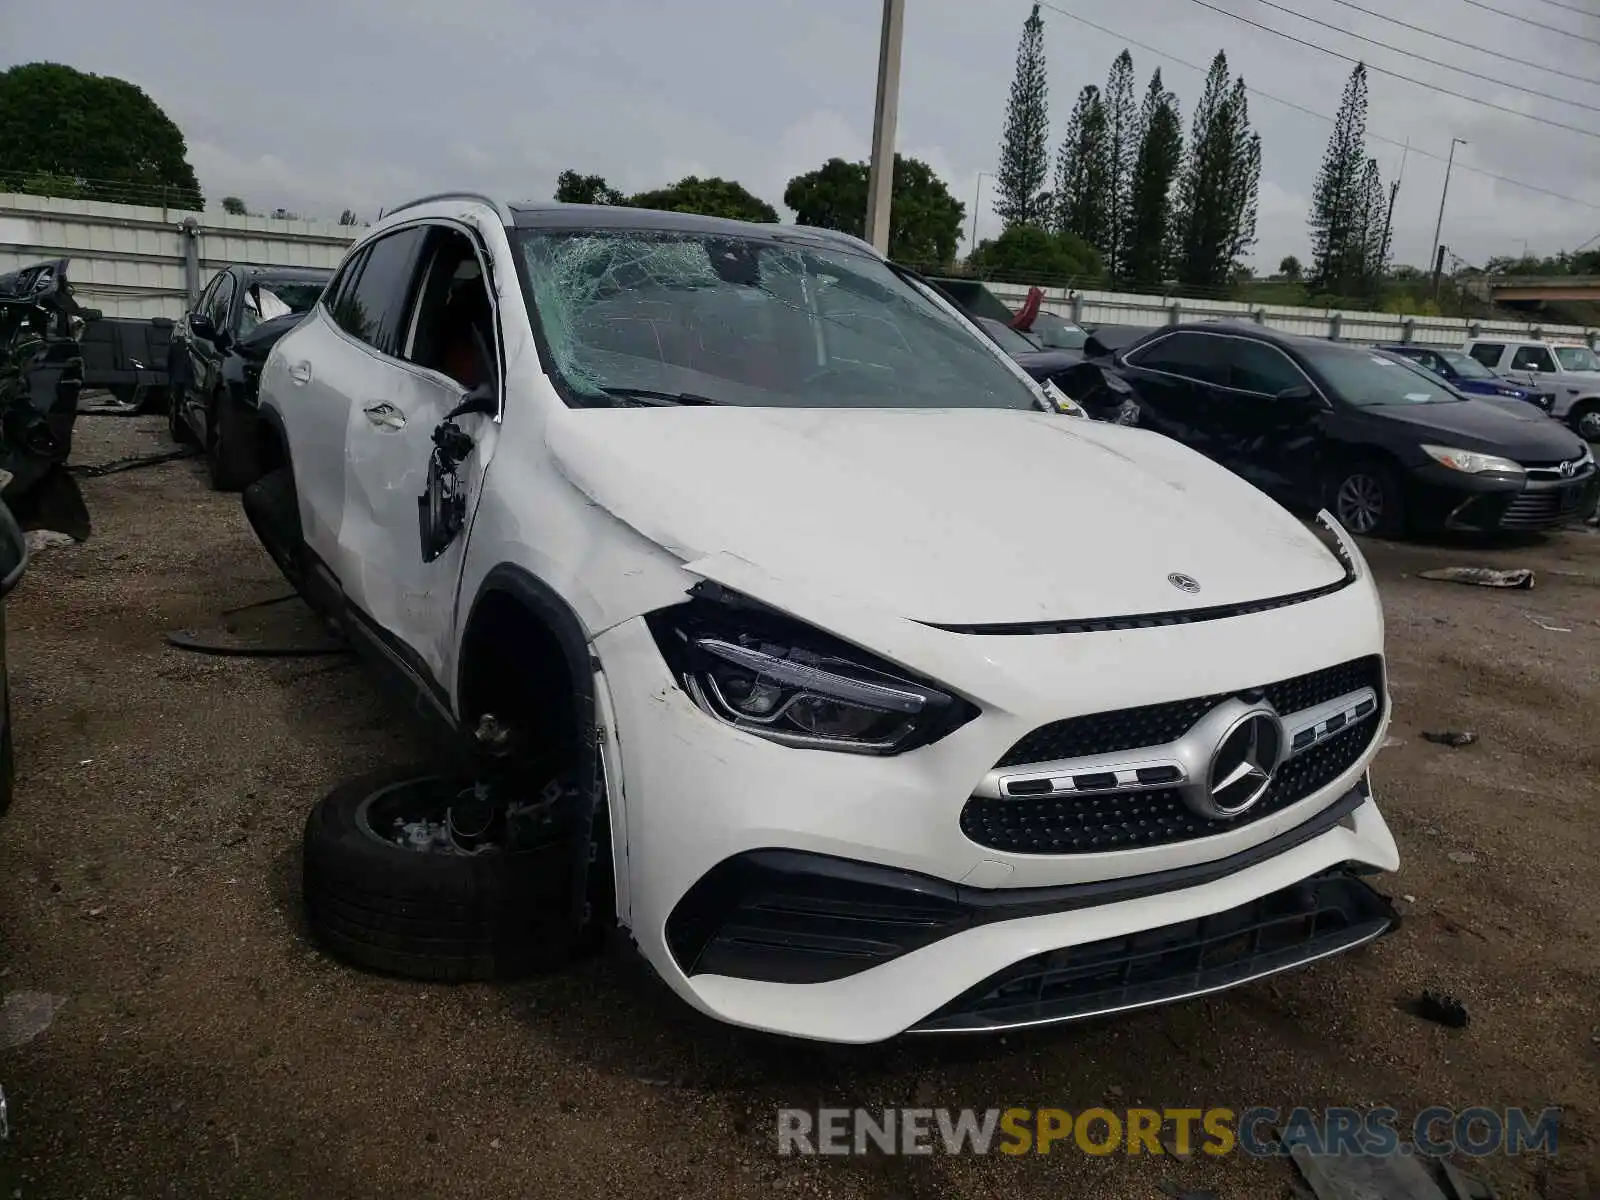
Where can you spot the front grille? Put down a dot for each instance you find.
(1543, 507)
(1313, 919)
(1157, 724)
(1131, 820)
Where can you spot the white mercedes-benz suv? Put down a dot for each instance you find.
(795, 631)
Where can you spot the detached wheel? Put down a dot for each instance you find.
(387, 889)
(1367, 500)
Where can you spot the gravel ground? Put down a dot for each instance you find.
(205, 1048)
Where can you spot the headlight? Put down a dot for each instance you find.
(1470, 461)
(757, 670)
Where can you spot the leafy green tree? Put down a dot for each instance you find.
(1122, 147)
(924, 218)
(1219, 184)
(65, 132)
(234, 207)
(348, 217)
(1029, 254)
(1083, 173)
(1337, 235)
(710, 197)
(1289, 267)
(572, 188)
(1150, 201)
(1020, 198)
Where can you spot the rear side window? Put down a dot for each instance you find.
(372, 303)
(1488, 353)
(1191, 355)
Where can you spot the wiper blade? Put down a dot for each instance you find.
(658, 399)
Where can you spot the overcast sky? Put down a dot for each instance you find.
(363, 103)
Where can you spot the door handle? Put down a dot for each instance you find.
(386, 416)
(300, 372)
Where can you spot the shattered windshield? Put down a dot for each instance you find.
(269, 298)
(1577, 358)
(751, 321)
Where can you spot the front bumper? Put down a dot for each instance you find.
(1444, 499)
(837, 897)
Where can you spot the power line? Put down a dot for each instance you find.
(1432, 87)
(1432, 62)
(1573, 8)
(1445, 37)
(1323, 117)
(1530, 21)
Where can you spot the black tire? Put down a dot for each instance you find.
(273, 509)
(178, 428)
(1585, 420)
(229, 455)
(436, 916)
(1367, 499)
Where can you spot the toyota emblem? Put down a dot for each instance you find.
(1569, 468)
(1184, 583)
(1241, 766)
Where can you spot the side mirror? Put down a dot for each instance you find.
(479, 401)
(13, 550)
(1301, 401)
(201, 326)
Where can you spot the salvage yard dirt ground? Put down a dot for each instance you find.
(205, 1048)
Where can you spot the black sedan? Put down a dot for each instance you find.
(1104, 395)
(216, 360)
(1384, 444)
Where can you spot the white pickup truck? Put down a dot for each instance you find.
(1569, 369)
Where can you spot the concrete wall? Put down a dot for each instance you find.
(128, 260)
(1113, 308)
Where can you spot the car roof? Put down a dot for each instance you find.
(1253, 332)
(553, 215)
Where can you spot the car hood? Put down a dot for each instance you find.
(1489, 428)
(948, 517)
(1041, 364)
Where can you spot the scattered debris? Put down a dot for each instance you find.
(1179, 1192)
(5, 1123)
(1463, 1186)
(133, 464)
(1389, 742)
(1463, 857)
(45, 539)
(1522, 577)
(1409, 899)
(1542, 624)
(1439, 1007)
(227, 643)
(1451, 738)
(1339, 1176)
(25, 1015)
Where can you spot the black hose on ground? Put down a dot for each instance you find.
(132, 464)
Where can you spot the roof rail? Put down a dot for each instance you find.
(499, 207)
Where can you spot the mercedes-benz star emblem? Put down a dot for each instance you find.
(1184, 583)
(1241, 766)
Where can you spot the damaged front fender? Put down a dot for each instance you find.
(41, 375)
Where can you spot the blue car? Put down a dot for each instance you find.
(1467, 374)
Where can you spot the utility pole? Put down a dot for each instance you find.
(880, 185)
(977, 191)
(1438, 261)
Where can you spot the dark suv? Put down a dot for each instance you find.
(1386, 445)
(215, 362)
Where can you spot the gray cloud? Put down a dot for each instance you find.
(363, 103)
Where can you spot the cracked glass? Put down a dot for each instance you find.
(643, 316)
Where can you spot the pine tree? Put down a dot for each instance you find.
(1122, 146)
(1336, 244)
(1160, 151)
(1217, 189)
(1374, 245)
(1082, 190)
(1025, 145)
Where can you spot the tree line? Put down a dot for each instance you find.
(1129, 199)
